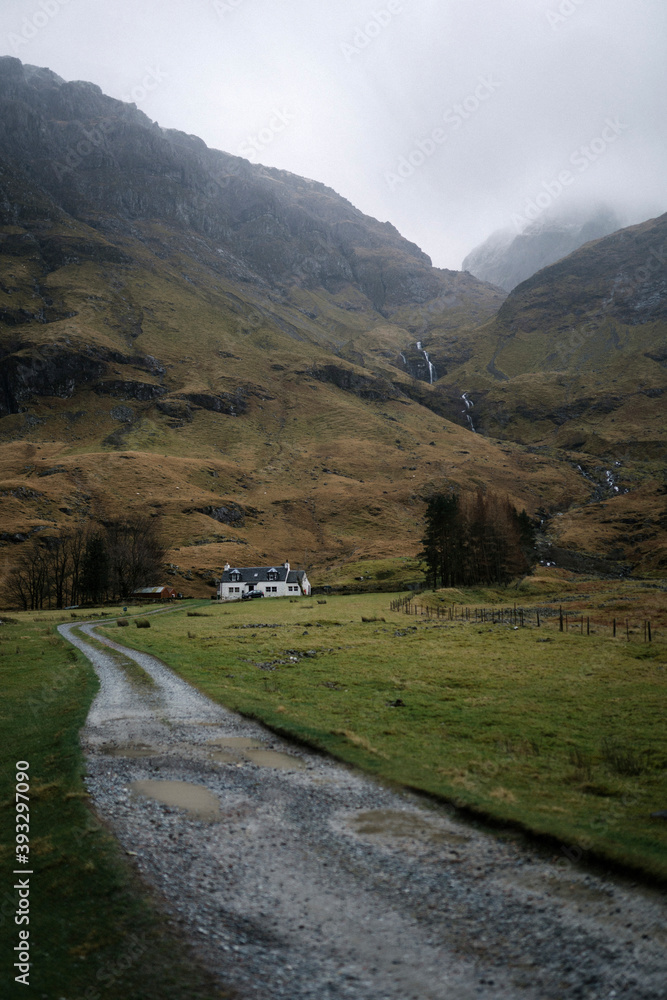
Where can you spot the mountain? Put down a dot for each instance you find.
(234, 350)
(509, 257)
(575, 363)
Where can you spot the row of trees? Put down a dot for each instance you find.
(90, 563)
(475, 539)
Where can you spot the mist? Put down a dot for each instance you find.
(447, 119)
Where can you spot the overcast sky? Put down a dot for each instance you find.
(449, 118)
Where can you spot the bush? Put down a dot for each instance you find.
(142, 623)
(122, 622)
(621, 758)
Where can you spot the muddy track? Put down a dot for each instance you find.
(296, 878)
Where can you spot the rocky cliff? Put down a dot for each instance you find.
(104, 163)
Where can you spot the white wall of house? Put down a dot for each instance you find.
(235, 584)
(270, 588)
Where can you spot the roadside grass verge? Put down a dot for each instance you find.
(94, 933)
(135, 674)
(561, 733)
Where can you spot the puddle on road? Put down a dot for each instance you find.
(275, 759)
(129, 750)
(224, 757)
(397, 823)
(196, 799)
(236, 743)
(238, 749)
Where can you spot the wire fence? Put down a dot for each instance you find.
(640, 629)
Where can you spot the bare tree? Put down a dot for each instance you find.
(135, 554)
(27, 584)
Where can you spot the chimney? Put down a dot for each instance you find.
(226, 567)
(287, 565)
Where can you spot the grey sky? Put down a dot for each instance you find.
(446, 117)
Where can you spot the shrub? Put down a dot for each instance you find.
(621, 759)
(122, 622)
(142, 623)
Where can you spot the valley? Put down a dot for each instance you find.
(241, 354)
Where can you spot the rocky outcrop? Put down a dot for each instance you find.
(230, 513)
(369, 387)
(48, 371)
(28, 370)
(129, 389)
(232, 403)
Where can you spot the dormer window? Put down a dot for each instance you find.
(272, 574)
(235, 576)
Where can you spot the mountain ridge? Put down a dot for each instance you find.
(277, 353)
(508, 257)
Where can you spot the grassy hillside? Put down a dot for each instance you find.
(561, 733)
(234, 350)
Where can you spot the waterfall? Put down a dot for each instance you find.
(405, 360)
(431, 367)
(469, 405)
(611, 481)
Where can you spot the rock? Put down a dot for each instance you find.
(365, 386)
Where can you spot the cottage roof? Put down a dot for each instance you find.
(255, 574)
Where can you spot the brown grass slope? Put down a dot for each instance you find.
(574, 364)
(220, 345)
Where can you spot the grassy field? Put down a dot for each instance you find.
(563, 734)
(92, 930)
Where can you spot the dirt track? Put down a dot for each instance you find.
(299, 879)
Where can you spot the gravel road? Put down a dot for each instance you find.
(296, 878)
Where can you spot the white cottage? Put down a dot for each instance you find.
(272, 581)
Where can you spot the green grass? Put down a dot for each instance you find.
(91, 926)
(564, 736)
(132, 670)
